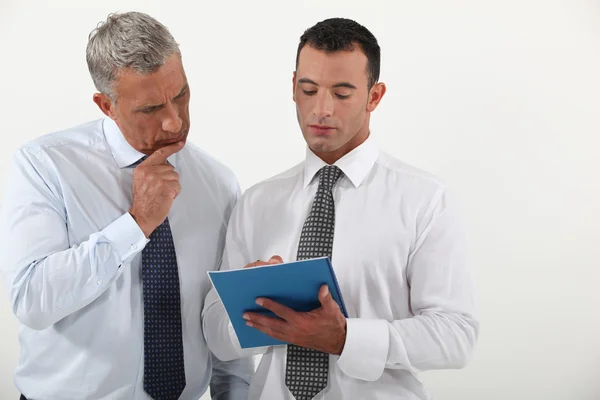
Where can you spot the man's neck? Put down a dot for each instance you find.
(332, 156)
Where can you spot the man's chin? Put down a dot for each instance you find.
(164, 143)
(322, 148)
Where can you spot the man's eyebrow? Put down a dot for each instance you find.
(185, 87)
(344, 84)
(337, 85)
(306, 80)
(148, 108)
(152, 107)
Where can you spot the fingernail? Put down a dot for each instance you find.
(259, 302)
(249, 324)
(326, 290)
(246, 316)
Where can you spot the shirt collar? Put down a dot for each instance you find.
(355, 165)
(123, 153)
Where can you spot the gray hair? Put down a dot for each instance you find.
(128, 40)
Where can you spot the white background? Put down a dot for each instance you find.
(499, 98)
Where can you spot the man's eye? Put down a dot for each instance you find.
(309, 92)
(342, 96)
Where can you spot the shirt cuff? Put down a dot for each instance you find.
(233, 338)
(126, 237)
(253, 351)
(366, 348)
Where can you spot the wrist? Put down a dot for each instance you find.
(141, 223)
(340, 341)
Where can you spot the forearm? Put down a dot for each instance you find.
(64, 281)
(218, 330)
(219, 333)
(430, 340)
(443, 329)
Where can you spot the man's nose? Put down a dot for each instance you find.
(324, 105)
(172, 122)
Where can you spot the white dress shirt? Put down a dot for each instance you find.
(71, 259)
(400, 257)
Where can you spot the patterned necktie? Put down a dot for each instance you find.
(164, 372)
(307, 369)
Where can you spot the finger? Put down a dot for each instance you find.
(256, 263)
(160, 156)
(170, 176)
(267, 330)
(151, 171)
(274, 323)
(161, 168)
(280, 310)
(276, 260)
(173, 188)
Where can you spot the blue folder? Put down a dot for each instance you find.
(295, 284)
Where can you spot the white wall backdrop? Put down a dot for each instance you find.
(499, 98)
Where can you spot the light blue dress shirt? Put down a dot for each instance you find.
(71, 260)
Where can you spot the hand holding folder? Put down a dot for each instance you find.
(294, 285)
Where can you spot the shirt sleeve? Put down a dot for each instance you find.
(230, 380)
(218, 330)
(48, 277)
(444, 329)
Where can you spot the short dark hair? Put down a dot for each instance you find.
(337, 34)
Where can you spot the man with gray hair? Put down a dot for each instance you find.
(108, 231)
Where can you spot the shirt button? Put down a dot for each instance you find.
(99, 281)
(134, 247)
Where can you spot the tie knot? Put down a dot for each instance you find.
(329, 175)
(138, 162)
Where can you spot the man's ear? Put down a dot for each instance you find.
(105, 105)
(375, 96)
(294, 86)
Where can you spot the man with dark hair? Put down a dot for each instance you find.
(337, 34)
(393, 232)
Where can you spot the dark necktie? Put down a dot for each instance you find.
(164, 372)
(307, 369)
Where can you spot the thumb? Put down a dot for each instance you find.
(325, 296)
